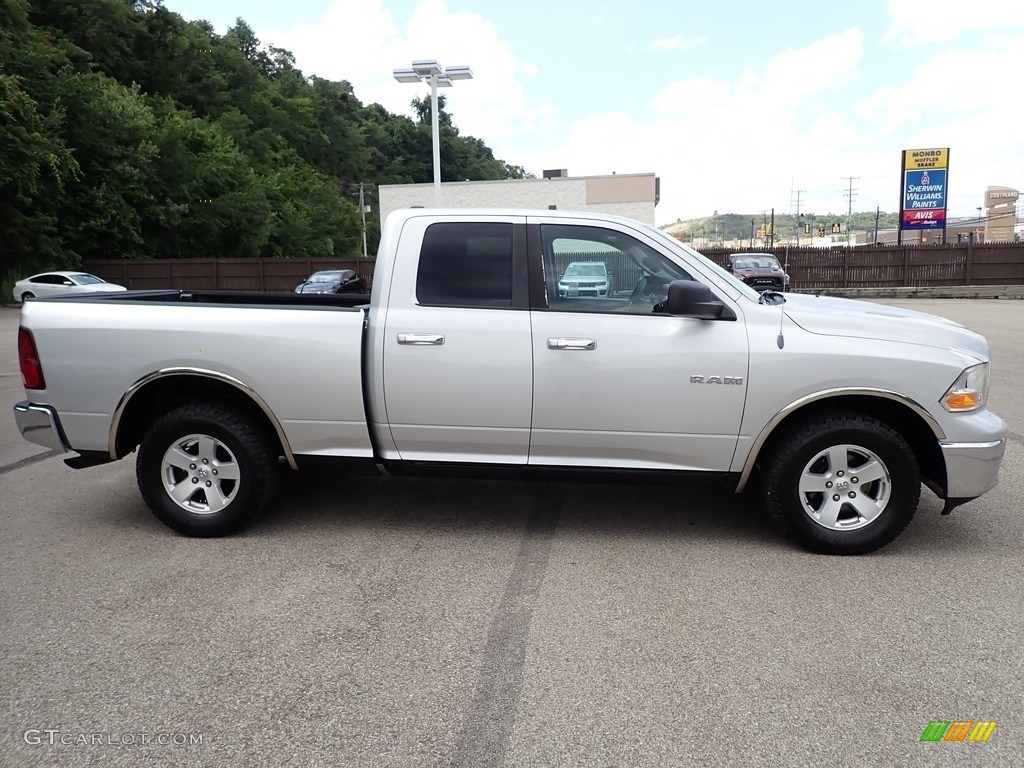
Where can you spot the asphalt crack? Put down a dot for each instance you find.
(487, 730)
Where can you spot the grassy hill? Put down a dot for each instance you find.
(740, 227)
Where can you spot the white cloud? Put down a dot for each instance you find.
(956, 80)
(676, 43)
(958, 99)
(358, 40)
(738, 144)
(744, 144)
(912, 22)
(791, 78)
(804, 120)
(825, 65)
(729, 146)
(698, 93)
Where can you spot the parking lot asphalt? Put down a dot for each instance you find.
(380, 621)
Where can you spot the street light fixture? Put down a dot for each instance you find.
(430, 71)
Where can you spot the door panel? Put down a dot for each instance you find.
(457, 351)
(628, 402)
(466, 399)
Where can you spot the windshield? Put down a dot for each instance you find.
(763, 261)
(585, 270)
(724, 274)
(324, 277)
(86, 279)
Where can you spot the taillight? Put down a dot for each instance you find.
(28, 358)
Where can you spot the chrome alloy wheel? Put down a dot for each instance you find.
(845, 487)
(200, 474)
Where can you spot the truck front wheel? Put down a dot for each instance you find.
(841, 483)
(205, 470)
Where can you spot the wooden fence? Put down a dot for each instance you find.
(220, 274)
(882, 266)
(894, 266)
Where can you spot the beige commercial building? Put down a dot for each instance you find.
(1000, 214)
(627, 194)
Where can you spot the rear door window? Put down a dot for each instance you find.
(465, 264)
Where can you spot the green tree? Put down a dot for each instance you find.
(207, 200)
(131, 132)
(111, 130)
(424, 109)
(102, 32)
(309, 217)
(36, 169)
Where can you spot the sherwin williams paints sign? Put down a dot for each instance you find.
(924, 188)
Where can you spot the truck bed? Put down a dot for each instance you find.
(301, 354)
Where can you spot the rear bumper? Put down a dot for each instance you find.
(40, 424)
(972, 468)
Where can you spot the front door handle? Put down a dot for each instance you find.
(572, 343)
(421, 339)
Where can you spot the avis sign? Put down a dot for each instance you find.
(923, 204)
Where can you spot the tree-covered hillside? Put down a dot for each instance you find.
(735, 227)
(127, 132)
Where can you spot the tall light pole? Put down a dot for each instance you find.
(432, 72)
(362, 211)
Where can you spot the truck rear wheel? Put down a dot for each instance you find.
(841, 483)
(206, 470)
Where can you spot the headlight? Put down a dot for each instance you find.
(970, 390)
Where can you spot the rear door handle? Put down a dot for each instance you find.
(572, 343)
(421, 339)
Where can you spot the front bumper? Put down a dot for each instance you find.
(572, 292)
(972, 468)
(40, 424)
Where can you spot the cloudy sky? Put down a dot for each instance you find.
(737, 106)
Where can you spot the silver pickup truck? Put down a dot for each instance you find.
(467, 357)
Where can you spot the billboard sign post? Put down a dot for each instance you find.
(924, 180)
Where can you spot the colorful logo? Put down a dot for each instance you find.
(958, 730)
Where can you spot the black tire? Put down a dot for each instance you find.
(830, 450)
(220, 495)
(26, 296)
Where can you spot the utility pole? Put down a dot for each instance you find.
(362, 211)
(798, 193)
(771, 236)
(751, 233)
(849, 194)
(877, 213)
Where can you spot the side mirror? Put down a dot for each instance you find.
(687, 298)
(67, 282)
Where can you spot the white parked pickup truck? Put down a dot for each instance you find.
(466, 357)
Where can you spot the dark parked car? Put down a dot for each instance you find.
(761, 271)
(332, 281)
